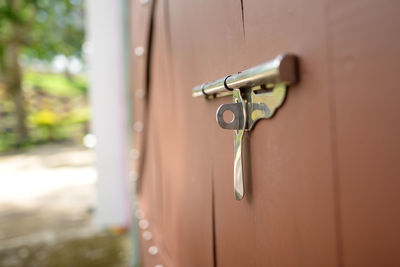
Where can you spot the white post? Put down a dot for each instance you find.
(109, 102)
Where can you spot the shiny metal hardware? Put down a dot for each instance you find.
(143, 224)
(153, 250)
(144, 2)
(257, 94)
(139, 51)
(147, 235)
(138, 126)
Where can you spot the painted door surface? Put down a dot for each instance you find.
(325, 183)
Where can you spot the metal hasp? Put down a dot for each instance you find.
(257, 93)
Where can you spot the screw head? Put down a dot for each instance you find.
(139, 214)
(134, 153)
(153, 250)
(138, 126)
(139, 51)
(143, 224)
(147, 235)
(140, 93)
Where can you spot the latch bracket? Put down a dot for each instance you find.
(257, 94)
(249, 107)
(258, 105)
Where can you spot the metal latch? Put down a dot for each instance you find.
(257, 93)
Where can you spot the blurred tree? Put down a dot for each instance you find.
(35, 29)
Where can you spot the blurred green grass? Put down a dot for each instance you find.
(57, 109)
(56, 84)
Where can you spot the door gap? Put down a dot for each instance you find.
(243, 26)
(213, 221)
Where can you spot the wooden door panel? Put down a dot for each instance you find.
(176, 186)
(323, 189)
(365, 61)
(288, 217)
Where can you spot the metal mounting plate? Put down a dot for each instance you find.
(258, 105)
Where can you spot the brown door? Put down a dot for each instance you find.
(325, 183)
